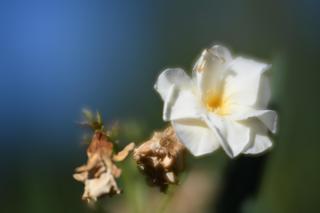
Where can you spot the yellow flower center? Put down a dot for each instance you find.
(215, 102)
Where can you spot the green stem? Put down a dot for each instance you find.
(167, 199)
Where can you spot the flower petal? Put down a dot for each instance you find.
(210, 69)
(176, 89)
(259, 141)
(234, 136)
(268, 117)
(196, 136)
(181, 104)
(170, 77)
(247, 85)
(261, 144)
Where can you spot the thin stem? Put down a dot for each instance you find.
(167, 199)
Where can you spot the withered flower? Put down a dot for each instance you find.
(100, 173)
(161, 158)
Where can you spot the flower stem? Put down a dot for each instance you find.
(167, 199)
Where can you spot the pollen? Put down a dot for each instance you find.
(216, 102)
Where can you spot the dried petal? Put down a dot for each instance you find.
(161, 158)
(99, 174)
(105, 184)
(124, 153)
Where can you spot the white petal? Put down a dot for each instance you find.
(170, 77)
(247, 85)
(264, 93)
(181, 104)
(268, 117)
(196, 136)
(176, 89)
(261, 144)
(210, 69)
(234, 136)
(259, 141)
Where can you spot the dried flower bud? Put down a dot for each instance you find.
(99, 174)
(161, 158)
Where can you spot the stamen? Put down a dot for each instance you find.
(215, 102)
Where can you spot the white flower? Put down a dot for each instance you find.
(223, 104)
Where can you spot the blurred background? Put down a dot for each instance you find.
(57, 57)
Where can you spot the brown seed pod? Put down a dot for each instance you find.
(161, 158)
